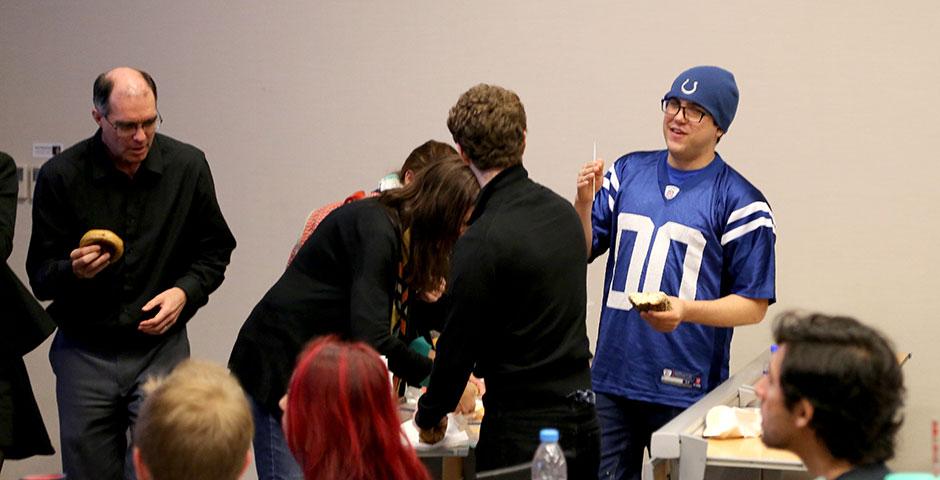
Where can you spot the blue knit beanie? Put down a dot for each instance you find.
(712, 88)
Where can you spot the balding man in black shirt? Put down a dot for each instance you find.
(121, 320)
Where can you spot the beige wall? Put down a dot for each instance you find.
(299, 103)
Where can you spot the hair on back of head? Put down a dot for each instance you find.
(341, 418)
(433, 206)
(425, 154)
(195, 423)
(489, 124)
(850, 374)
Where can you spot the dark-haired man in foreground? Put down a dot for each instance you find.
(832, 396)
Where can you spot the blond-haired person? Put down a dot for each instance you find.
(196, 423)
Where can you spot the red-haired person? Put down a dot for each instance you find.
(340, 417)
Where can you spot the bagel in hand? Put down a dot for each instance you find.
(650, 301)
(108, 241)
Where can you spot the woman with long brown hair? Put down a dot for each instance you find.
(356, 277)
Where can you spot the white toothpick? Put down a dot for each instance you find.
(587, 280)
(594, 159)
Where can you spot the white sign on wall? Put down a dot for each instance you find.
(46, 150)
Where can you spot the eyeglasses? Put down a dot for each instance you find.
(128, 129)
(692, 113)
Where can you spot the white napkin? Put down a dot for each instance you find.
(454, 437)
(732, 422)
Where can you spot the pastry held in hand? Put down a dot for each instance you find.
(108, 241)
(650, 301)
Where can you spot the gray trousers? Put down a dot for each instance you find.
(99, 394)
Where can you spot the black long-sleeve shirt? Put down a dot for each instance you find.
(8, 188)
(168, 216)
(23, 324)
(342, 282)
(516, 315)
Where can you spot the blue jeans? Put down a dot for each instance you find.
(273, 460)
(626, 428)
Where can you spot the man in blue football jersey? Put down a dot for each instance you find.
(681, 221)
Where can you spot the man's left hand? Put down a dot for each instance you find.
(667, 321)
(468, 400)
(171, 303)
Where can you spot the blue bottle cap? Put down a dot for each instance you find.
(548, 435)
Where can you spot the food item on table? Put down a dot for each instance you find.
(650, 301)
(435, 434)
(477, 415)
(723, 421)
(108, 241)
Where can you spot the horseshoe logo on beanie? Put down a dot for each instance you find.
(691, 90)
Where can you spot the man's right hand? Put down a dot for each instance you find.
(89, 261)
(590, 180)
(468, 400)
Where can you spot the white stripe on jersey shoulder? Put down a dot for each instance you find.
(748, 210)
(612, 181)
(748, 227)
(612, 185)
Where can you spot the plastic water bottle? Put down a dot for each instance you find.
(549, 460)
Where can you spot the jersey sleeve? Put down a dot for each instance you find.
(602, 213)
(748, 244)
